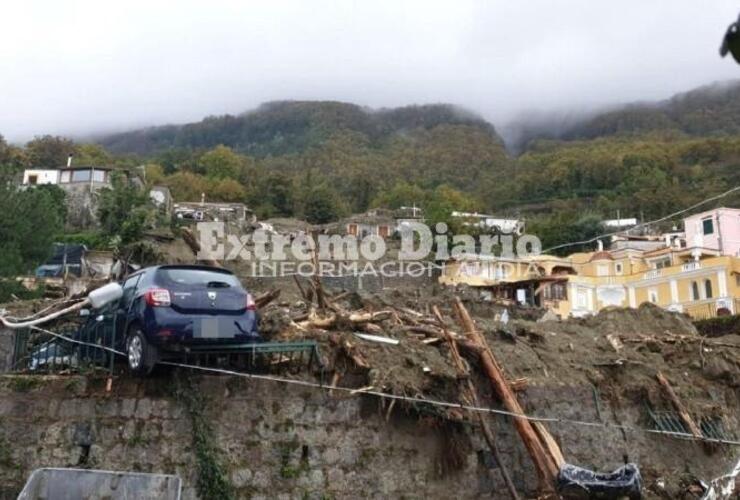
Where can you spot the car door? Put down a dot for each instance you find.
(123, 312)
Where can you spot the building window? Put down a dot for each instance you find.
(555, 291)
(81, 176)
(665, 262)
(33, 179)
(694, 290)
(707, 226)
(352, 229)
(708, 288)
(618, 268)
(99, 175)
(653, 295)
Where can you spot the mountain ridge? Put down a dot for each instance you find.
(291, 126)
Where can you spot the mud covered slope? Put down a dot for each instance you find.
(594, 379)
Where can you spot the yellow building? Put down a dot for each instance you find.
(698, 281)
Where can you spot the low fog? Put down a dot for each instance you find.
(82, 67)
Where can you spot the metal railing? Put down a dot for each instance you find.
(263, 357)
(68, 349)
(72, 350)
(711, 308)
(712, 427)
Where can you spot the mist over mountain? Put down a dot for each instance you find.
(710, 110)
(285, 127)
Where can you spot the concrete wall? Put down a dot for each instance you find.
(82, 203)
(281, 441)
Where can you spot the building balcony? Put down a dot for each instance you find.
(654, 273)
(691, 266)
(710, 308)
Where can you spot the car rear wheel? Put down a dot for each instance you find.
(140, 354)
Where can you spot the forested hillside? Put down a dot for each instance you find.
(711, 110)
(285, 127)
(322, 160)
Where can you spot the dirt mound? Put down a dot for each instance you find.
(648, 319)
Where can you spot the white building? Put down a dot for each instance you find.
(33, 177)
(504, 225)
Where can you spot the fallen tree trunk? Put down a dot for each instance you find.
(472, 398)
(544, 461)
(194, 245)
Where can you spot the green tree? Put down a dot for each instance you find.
(402, 194)
(122, 210)
(322, 204)
(222, 162)
(32, 218)
(279, 194)
(49, 151)
(91, 155)
(566, 227)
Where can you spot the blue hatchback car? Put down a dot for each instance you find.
(165, 309)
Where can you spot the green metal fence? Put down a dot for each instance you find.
(67, 349)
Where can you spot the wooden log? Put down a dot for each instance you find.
(349, 350)
(680, 408)
(545, 464)
(267, 297)
(320, 297)
(369, 316)
(472, 398)
(300, 288)
(371, 328)
(194, 245)
(550, 443)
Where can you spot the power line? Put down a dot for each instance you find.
(643, 224)
(415, 400)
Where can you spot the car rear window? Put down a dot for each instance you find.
(196, 278)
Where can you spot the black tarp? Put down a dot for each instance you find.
(576, 482)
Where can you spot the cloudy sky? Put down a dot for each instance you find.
(76, 67)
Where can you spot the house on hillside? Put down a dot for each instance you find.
(236, 213)
(492, 222)
(381, 222)
(80, 183)
(375, 222)
(701, 279)
(715, 230)
(619, 223)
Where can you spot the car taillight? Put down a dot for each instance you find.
(251, 306)
(157, 297)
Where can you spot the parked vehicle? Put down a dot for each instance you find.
(166, 309)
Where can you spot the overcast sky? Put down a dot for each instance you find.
(75, 67)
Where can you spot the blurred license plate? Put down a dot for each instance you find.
(209, 328)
